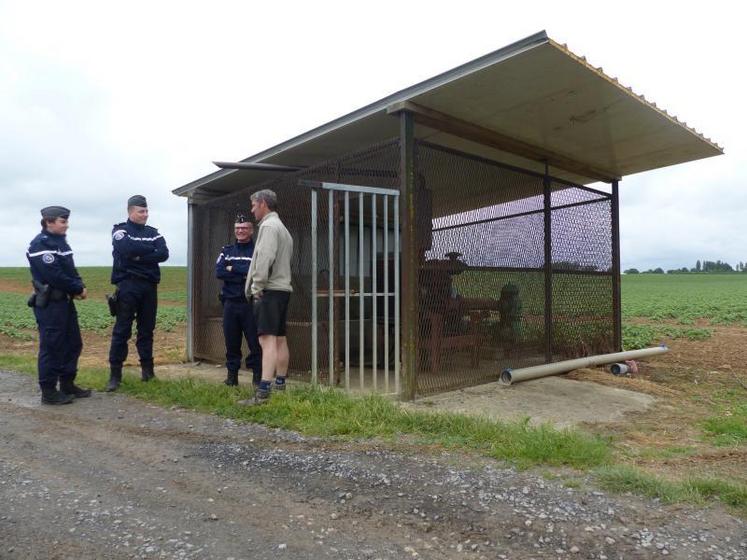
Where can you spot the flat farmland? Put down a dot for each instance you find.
(18, 327)
(697, 429)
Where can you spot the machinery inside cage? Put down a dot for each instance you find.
(514, 268)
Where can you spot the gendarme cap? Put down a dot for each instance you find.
(241, 219)
(137, 200)
(54, 212)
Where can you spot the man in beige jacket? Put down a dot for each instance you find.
(268, 284)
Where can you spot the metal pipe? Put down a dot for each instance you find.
(331, 274)
(374, 299)
(509, 376)
(520, 214)
(257, 166)
(397, 356)
(386, 293)
(314, 288)
(347, 291)
(361, 292)
(190, 280)
(616, 295)
(410, 257)
(547, 198)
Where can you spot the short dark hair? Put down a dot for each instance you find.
(45, 221)
(268, 196)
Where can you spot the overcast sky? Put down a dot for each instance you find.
(102, 100)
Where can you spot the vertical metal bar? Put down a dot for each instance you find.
(386, 293)
(616, 295)
(374, 298)
(396, 297)
(314, 288)
(331, 273)
(361, 291)
(546, 184)
(409, 256)
(347, 291)
(190, 280)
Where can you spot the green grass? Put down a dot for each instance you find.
(696, 490)
(326, 412)
(17, 319)
(729, 426)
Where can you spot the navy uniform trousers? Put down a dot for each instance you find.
(137, 301)
(238, 320)
(60, 343)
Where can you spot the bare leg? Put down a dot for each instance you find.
(283, 356)
(269, 356)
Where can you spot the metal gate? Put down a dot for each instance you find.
(362, 291)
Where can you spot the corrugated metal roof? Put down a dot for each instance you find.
(535, 98)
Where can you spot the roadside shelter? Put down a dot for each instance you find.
(465, 224)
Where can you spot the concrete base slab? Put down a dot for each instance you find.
(559, 401)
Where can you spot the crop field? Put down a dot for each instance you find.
(17, 320)
(686, 298)
(656, 307)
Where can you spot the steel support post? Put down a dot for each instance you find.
(190, 280)
(546, 183)
(616, 296)
(409, 311)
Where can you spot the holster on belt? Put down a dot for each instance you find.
(113, 301)
(40, 297)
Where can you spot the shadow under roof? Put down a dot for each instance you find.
(527, 103)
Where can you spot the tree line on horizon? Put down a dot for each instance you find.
(700, 267)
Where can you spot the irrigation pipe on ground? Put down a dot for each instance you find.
(509, 376)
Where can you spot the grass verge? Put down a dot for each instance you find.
(324, 412)
(621, 478)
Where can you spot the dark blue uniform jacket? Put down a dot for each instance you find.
(51, 260)
(137, 252)
(238, 256)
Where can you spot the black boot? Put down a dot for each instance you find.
(115, 378)
(68, 387)
(50, 395)
(232, 379)
(146, 372)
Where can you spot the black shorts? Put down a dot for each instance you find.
(271, 312)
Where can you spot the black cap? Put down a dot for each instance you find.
(54, 212)
(241, 219)
(137, 200)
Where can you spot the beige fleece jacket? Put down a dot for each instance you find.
(271, 262)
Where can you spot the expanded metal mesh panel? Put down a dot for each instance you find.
(377, 166)
(482, 279)
(582, 314)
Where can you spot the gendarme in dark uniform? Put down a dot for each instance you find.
(137, 250)
(232, 267)
(56, 283)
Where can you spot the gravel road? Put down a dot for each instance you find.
(113, 477)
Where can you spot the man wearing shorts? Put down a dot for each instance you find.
(268, 284)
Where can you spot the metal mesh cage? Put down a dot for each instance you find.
(213, 228)
(482, 278)
(486, 299)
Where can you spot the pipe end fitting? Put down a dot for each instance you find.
(506, 376)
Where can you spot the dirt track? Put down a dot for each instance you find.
(113, 477)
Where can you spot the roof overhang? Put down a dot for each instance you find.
(527, 104)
